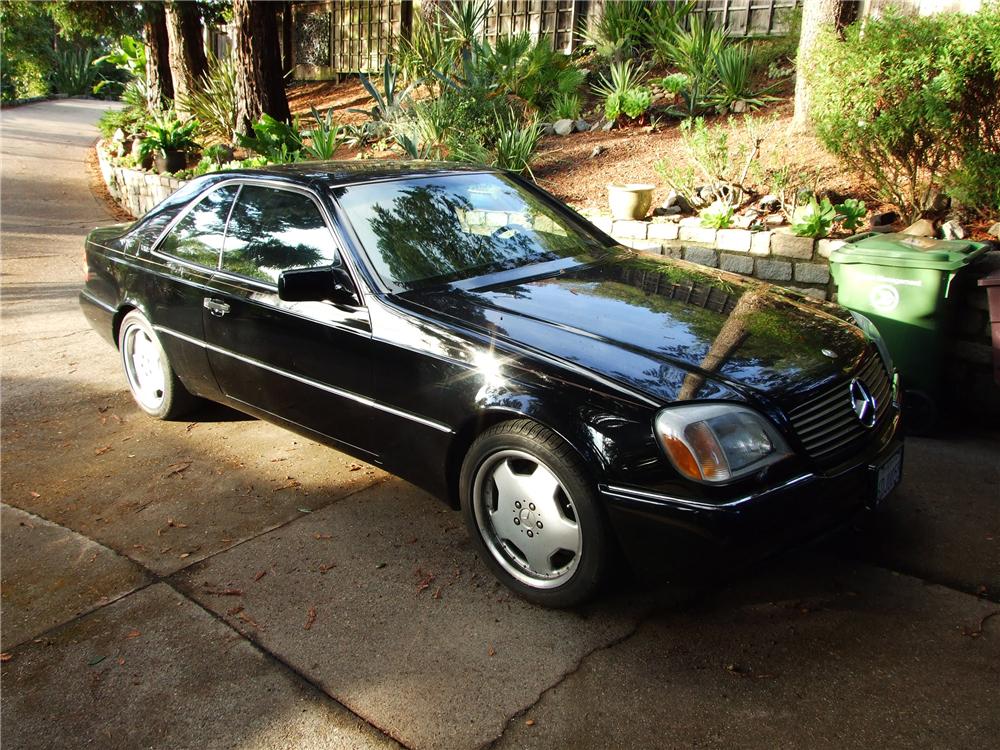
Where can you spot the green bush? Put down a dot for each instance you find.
(622, 92)
(814, 219)
(976, 182)
(276, 141)
(909, 101)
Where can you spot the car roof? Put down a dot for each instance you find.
(336, 173)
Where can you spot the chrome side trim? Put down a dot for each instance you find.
(90, 297)
(308, 381)
(656, 498)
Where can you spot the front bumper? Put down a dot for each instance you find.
(685, 539)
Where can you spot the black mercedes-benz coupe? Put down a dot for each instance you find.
(466, 331)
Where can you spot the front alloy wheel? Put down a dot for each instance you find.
(533, 514)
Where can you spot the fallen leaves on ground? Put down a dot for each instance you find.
(317, 535)
(529, 723)
(290, 483)
(310, 618)
(977, 631)
(425, 580)
(102, 450)
(177, 468)
(490, 651)
(224, 592)
(260, 574)
(327, 566)
(6, 656)
(133, 633)
(747, 672)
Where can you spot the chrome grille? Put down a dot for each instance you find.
(827, 423)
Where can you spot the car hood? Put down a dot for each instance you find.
(668, 329)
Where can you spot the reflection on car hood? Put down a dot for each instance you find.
(672, 330)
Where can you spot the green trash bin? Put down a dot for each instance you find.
(902, 284)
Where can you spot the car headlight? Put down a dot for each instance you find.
(718, 442)
(871, 331)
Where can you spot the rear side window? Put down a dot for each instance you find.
(273, 230)
(198, 237)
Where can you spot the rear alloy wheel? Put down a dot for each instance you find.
(151, 379)
(534, 515)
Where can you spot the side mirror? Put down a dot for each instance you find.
(332, 284)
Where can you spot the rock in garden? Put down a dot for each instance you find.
(770, 203)
(598, 124)
(739, 106)
(667, 211)
(939, 203)
(952, 230)
(994, 230)
(880, 228)
(884, 219)
(920, 228)
(746, 220)
(598, 150)
(563, 127)
(774, 220)
(582, 126)
(547, 128)
(608, 125)
(676, 199)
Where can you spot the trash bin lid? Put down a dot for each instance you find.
(907, 251)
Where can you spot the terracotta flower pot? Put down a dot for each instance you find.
(631, 201)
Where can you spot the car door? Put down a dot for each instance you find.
(307, 363)
(181, 265)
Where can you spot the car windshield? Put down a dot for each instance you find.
(435, 230)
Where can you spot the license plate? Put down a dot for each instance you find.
(887, 475)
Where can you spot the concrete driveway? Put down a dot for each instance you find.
(223, 583)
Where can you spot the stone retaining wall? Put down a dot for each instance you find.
(135, 190)
(777, 256)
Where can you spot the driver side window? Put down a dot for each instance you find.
(273, 230)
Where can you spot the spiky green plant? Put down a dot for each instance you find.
(213, 100)
(324, 139)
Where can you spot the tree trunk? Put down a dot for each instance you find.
(287, 35)
(817, 15)
(159, 82)
(260, 86)
(187, 47)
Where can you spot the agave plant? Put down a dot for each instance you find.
(621, 87)
(389, 103)
(325, 138)
(619, 31)
(515, 145)
(425, 50)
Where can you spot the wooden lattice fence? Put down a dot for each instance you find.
(346, 36)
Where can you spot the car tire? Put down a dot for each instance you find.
(534, 515)
(152, 381)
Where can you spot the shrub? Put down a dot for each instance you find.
(976, 181)
(530, 70)
(275, 140)
(131, 119)
(714, 161)
(906, 100)
(213, 101)
(664, 20)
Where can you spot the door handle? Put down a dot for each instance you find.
(215, 307)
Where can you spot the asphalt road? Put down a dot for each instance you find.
(223, 583)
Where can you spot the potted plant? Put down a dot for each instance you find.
(167, 138)
(630, 201)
